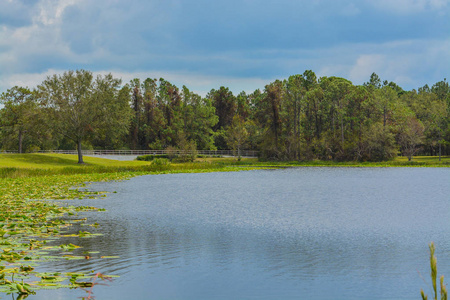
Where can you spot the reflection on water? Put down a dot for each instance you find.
(307, 233)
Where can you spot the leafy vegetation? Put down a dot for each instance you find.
(301, 118)
(30, 226)
(433, 265)
(151, 157)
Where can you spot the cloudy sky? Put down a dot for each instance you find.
(242, 44)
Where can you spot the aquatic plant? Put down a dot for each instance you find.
(433, 265)
(92, 283)
(29, 222)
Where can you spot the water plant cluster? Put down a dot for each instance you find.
(433, 265)
(31, 224)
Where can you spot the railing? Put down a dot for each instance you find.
(244, 153)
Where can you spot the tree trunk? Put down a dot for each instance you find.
(20, 141)
(440, 151)
(80, 155)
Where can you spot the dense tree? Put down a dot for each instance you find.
(272, 104)
(199, 119)
(237, 135)
(22, 120)
(300, 118)
(225, 104)
(374, 82)
(410, 136)
(378, 143)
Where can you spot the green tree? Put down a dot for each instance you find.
(293, 111)
(225, 104)
(385, 99)
(111, 130)
(441, 89)
(378, 143)
(410, 136)
(199, 118)
(237, 135)
(374, 81)
(80, 106)
(336, 94)
(271, 106)
(22, 120)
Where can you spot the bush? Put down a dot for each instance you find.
(208, 156)
(151, 157)
(161, 164)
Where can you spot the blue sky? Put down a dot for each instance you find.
(243, 45)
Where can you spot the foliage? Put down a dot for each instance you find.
(79, 106)
(236, 136)
(300, 118)
(161, 164)
(410, 136)
(151, 157)
(22, 121)
(433, 265)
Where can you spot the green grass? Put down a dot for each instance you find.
(19, 165)
(418, 161)
(30, 165)
(51, 161)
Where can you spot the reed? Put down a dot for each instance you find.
(433, 265)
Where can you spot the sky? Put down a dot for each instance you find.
(240, 44)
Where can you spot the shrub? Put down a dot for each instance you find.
(161, 164)
(151, 157)
(208, 156)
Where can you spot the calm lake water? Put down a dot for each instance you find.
(300, 233)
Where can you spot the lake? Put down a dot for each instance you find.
(297, 233)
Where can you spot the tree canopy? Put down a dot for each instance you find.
(81, 108)
(299, 118)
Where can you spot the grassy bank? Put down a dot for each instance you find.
(418, 161)
(31, 165)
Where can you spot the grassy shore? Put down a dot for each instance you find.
(31, 165)
(401, 161)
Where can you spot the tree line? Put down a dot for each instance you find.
(299, 118)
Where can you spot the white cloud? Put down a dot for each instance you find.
(365, 65)
(200, 84)
(30, 80)
(350, 10)
(142, 39)
(409, 6)
(410, 64)
(50, 11)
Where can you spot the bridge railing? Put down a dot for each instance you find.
(244, 153)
